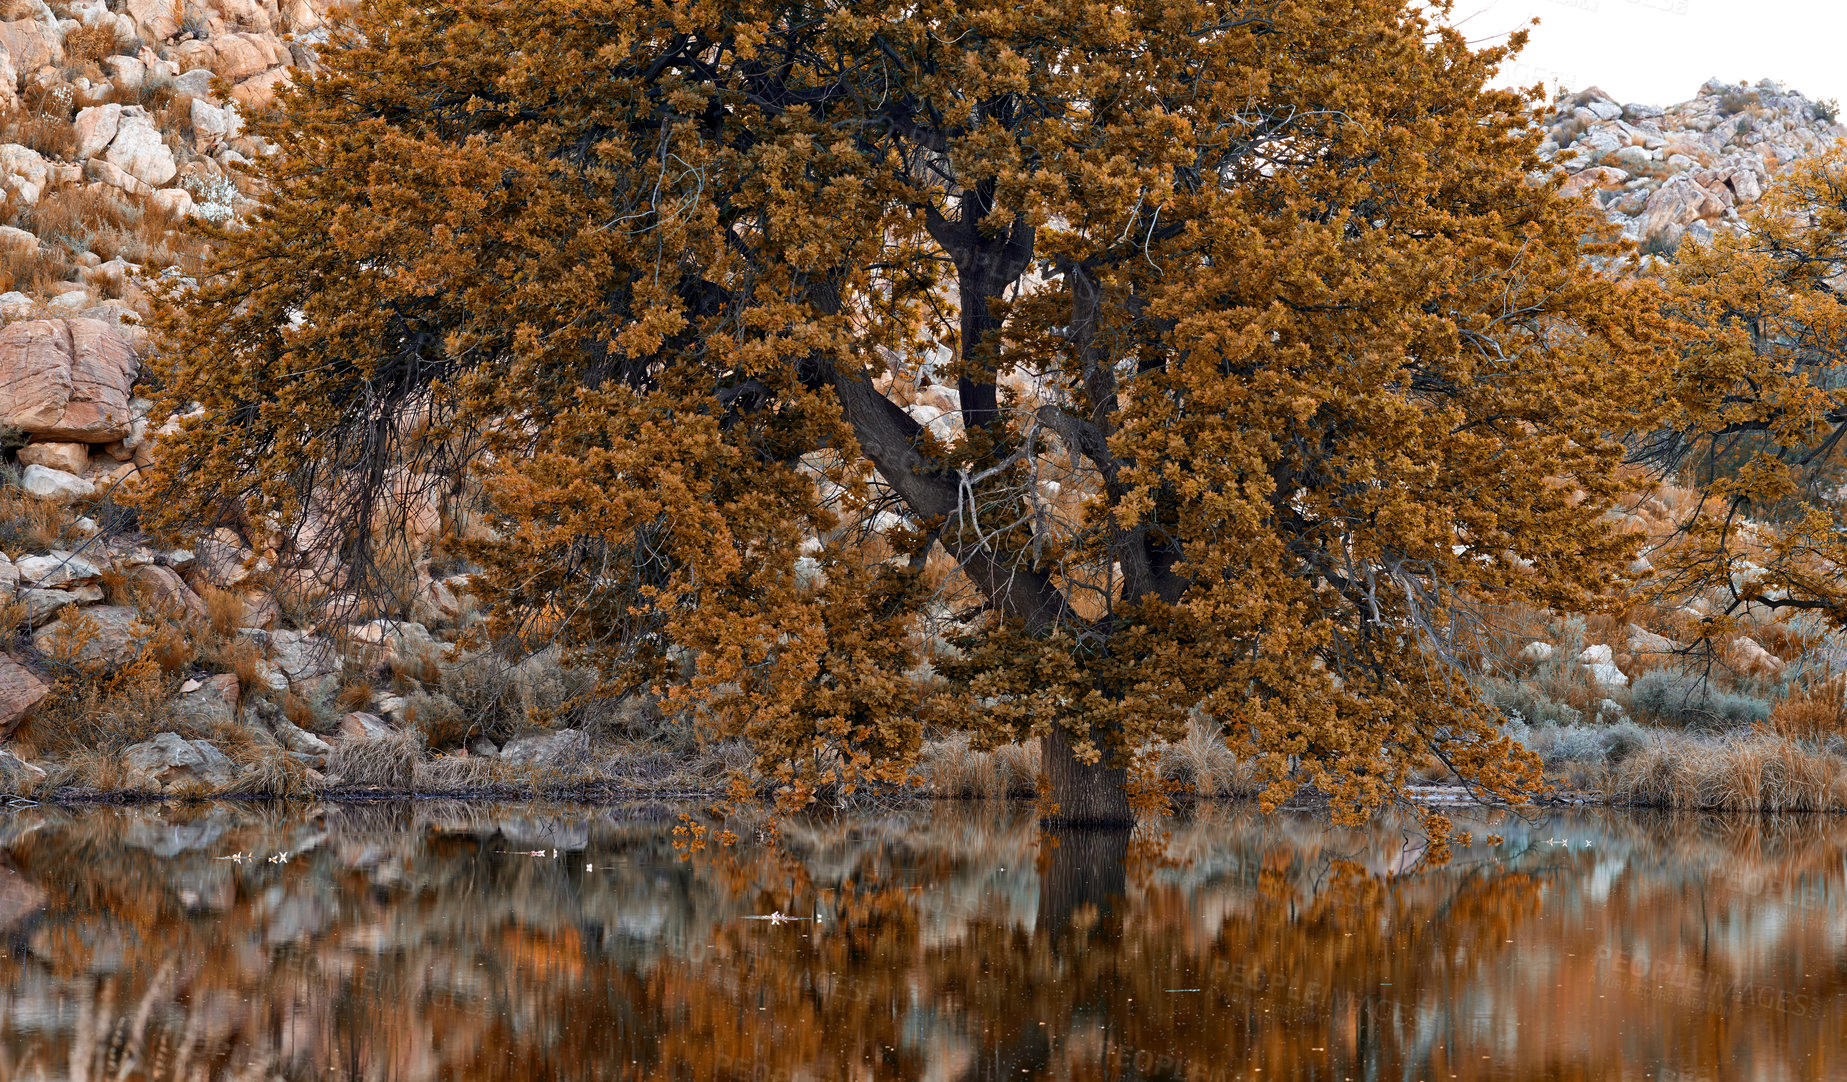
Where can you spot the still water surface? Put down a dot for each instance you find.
(952, 942)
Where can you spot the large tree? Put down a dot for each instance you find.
(1270, 358)
(1753, 404)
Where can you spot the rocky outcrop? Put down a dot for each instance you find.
(1686, 170)
(66, 379)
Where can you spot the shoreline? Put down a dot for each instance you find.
(603, 796)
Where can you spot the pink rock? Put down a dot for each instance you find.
(20, 694)
(66, 379)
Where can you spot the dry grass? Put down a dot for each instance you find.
(89, 44)
(103, 712)
(953, 768)
(1817, 712)
(388, 761)
(90, 768)
(270, 772)
(464, 774)
(112, 223)
(1202, 763)
(1757, 773)
(439, 719)
(28, 525)
(34, 271)
(42, 121)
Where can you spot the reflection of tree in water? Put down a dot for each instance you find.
(425, 944)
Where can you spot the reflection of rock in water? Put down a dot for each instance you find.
(425, 942)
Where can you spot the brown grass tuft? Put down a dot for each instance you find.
(42, 120)
(1816, 712)
(271, 772)
(389, 761)
(955, 769)
(103, 712)
(439, 719)
(112, 223)
(462, 774)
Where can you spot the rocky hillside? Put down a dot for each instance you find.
(118, 119)
(1663, 174)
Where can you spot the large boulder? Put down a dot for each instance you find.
(72, 458)
(139, 150)
(204, 705)
(395, 639)
(26, 169)
(163, 589)
(561, 748)
(66, 379)
(93, 638)
(44, 606)
(304, 658)
(212, 124)
(96, 127)
(20, 694)
(1600, 662)
(57, 568)
(222, 560)
(239, 56)
(170, 759)
(45, 483)
(30, 44)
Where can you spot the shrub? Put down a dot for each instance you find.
(110, 222)
(89, 44)
(1526, 702)
(1682, 699)
(1825, 110)
(439, 719)
(1557, 745)
(27, 525)
(1737, 100)
(33, 270)
(103, 713)
(1817, 712)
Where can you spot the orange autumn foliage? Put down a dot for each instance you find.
(1269, 361)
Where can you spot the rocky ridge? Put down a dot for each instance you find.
(1663, 174)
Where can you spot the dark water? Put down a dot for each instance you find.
(955, 942)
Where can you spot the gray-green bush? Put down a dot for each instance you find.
(1683, 699)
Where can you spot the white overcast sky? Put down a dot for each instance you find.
(1658, 52)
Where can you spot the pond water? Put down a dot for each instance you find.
(440, 941)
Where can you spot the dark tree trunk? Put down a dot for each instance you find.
(1087, 794)
(1088, 869)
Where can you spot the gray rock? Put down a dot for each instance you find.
(57, 568)
(170, 759)
(202, 707)
(551, 749)
(103, 635)
(296, 738)
(43, 606)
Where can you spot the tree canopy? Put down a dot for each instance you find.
(1158, 360)
(1753, 409)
